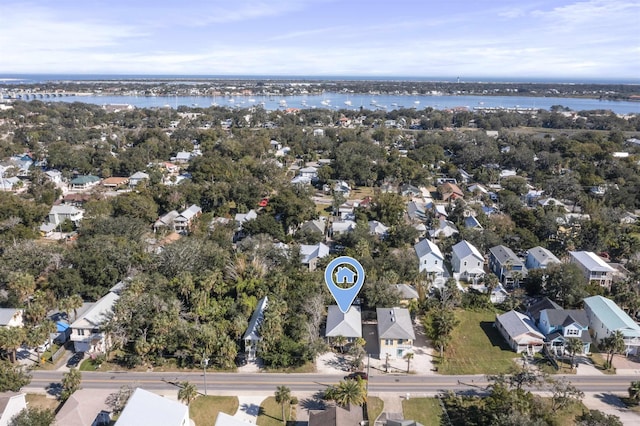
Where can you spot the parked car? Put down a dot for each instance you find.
(75, 359)
(357, 375)
(43, 347)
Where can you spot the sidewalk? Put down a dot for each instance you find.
(611, 404)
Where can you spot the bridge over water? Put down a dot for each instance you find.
(30, 95)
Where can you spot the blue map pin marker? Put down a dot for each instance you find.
(348, 272)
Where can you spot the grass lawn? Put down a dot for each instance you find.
(477, 347)
(361, 192)
(598, 360)
(204, 409)
(567, 416)
(41, 401)
(423, 410)
(271, 413)
(374, 408)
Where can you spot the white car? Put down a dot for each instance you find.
(43, 347)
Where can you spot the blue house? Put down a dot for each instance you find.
(509, 269)
(558, 325)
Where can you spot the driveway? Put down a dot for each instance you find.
(609, 403)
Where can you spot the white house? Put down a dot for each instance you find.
(378, 228)
(539, 258)
(62, 212)
(11, 403)
(310, 254)
(339, 227)
(445, 229)
(347, 325)
(430, 258)
(86, 333)
(11, 317)
(184, 221)
(467, 261)
(148, 408)
(252, 335)
(136, 178)
(54, 176)
(520, 332)
(605, 317)
(593, 267)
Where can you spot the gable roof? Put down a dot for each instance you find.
(394, 323)
(464, 248)
(612, 316)
(503, 254)
(343, 324)
(257, 317)
(517, 324)
(406, 291)
(542, 255)
(565, 317)
(7, 314)
(310, 252)
(426, 247)
(591, 261)
(472, 222)
(97, 314)
(148, 408)
(192, 211)
(535, 308)
(83, 406)
(336, 416)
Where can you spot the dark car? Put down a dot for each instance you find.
(75, 359)
(357, 375)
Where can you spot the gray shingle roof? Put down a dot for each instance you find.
(503, 254)
(545, 303)
(394, 323)
(346, 325)
(543, 256)
(516, 324)
(565, 317)
(426, 247)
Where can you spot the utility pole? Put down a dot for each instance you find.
(386, 364)
(205, 362)
(368, 372)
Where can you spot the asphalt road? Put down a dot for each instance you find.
(237, 383)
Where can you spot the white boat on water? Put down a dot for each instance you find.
(252, 100)
(283, 103)
(347, 102)
(325, 102)
(417, 102)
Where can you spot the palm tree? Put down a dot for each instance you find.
(23, 285)
(613, 344)
(350, 392)
(283, 396)
(340, 341)
(70, 383)
(408, 356)
(634, 391)
(187, 393)
(573, 345)
(75, 303)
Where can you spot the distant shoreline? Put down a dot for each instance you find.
(25, 78)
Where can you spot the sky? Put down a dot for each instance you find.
(580, 39)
